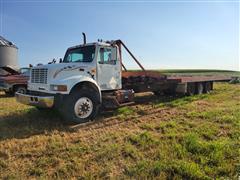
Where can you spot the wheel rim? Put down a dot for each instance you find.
(83, 107)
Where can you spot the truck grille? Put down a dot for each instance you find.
(39, 75)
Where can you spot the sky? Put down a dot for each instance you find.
(161, 34)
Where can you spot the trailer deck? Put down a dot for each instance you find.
(176, 78)
(198, 78)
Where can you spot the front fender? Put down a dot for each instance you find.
(72, 81)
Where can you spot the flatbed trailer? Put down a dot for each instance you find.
(159, 83)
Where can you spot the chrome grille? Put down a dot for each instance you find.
(39, 75)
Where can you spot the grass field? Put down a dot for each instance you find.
(166, 137)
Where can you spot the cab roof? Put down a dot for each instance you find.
(90, 44)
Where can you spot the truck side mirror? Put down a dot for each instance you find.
(60, 60)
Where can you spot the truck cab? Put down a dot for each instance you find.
(76, 84)
(102, 61)
(98, 63)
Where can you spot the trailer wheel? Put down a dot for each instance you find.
(199, 88)
(211, 87)
(207, 87)
(80, 106)
(191, 88)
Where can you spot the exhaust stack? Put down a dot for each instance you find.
(84, 38)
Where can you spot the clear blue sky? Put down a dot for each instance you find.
(161, 34)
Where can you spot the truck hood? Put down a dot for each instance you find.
(10, 70)
(62, 65)
(56, 69)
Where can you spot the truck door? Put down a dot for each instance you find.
(108, 69)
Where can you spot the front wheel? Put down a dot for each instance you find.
(80, 106)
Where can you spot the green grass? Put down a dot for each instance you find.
(193, 137)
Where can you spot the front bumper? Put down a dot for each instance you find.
(39, 101)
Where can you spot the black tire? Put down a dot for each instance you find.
(157, 93)
(20, 89)
(199, 88)
(70, 102)
(211, 86)
(191, 89)
(44, 109)
(207, 87)
(170, 92)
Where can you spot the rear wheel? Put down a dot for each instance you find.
(199, 88)
(80, 106)
(191, 88)
(207, 87)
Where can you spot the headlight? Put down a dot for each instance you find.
(58, 87)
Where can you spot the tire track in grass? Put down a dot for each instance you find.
(110, 124)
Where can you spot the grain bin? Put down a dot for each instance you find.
(8, 54)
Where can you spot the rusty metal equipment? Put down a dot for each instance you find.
(149, 80)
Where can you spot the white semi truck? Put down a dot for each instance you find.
(93, 75)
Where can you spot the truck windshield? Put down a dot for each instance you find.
(81, 54)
